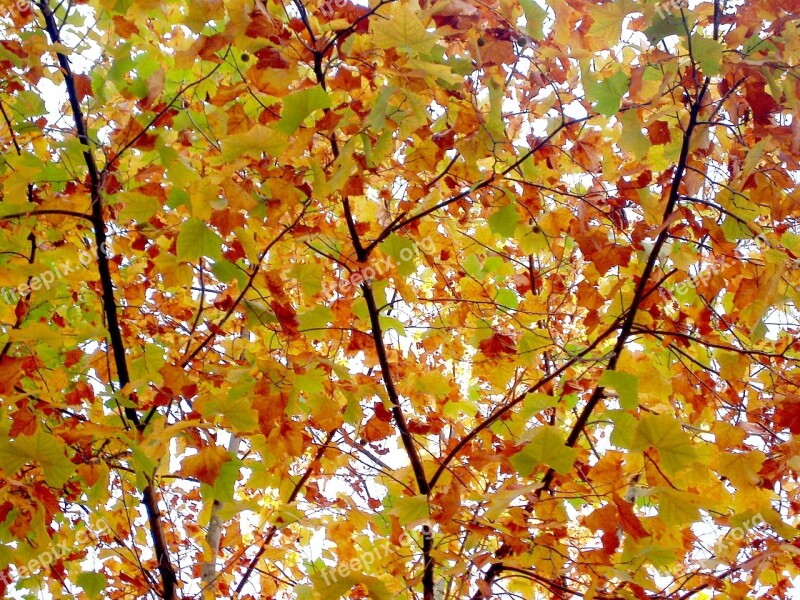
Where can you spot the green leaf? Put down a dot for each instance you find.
(258, 313)
(316, 318)
(392, 323)
(472, 265)
(534, 18)
(504, 222)
(608, 92)
(403, 30)
(29, 104)
(708, 53)
(92, 583)
(500, 500)
(664, 27)
(226, 271)
(626, 385)
(309, 276)
(507, 298)
(666, 435)
(238, 410)
(332, 585)
(608, 18)
(402, 250)
(380, 105)
(677, 508)
(226, 480)
(298, 105)
(42, 449)
(546, 447)
(196, 239)
(138, 207)
(411, 509)
(536, 402)
(624, 427)
(144, 367)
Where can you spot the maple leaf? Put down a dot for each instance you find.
(41, 449)
(205, 466)
(10, 373)
(498, 344)
(446, 269)
(628, 520)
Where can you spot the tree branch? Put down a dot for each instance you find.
(626, 330)
(149, 499)
(274, 528)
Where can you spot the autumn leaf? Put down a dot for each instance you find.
(497, 344)
(40, 449)
(546, 446)
(422, 299)
(675, 449)
(298, 105)
(11, 370)
(403, 30)
(205, 466)
(628, 520)
(197, 239)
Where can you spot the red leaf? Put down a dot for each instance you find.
(270, 58)
(83, 85)
(497, 345)
(788, 415)
(610, 541)
(763, 105)
(628, 520)
(286, 316)
(382, 413)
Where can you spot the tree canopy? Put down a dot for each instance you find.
(425, 299)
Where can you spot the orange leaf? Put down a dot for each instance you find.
(206, 464)
(10, 373)
(22, 422)
(628, 520)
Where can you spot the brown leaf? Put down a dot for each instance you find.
(377, 429)
(270, 58)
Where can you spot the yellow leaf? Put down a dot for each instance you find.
(402, 30)
(741, 468)
(260, 139)
(665, 434)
